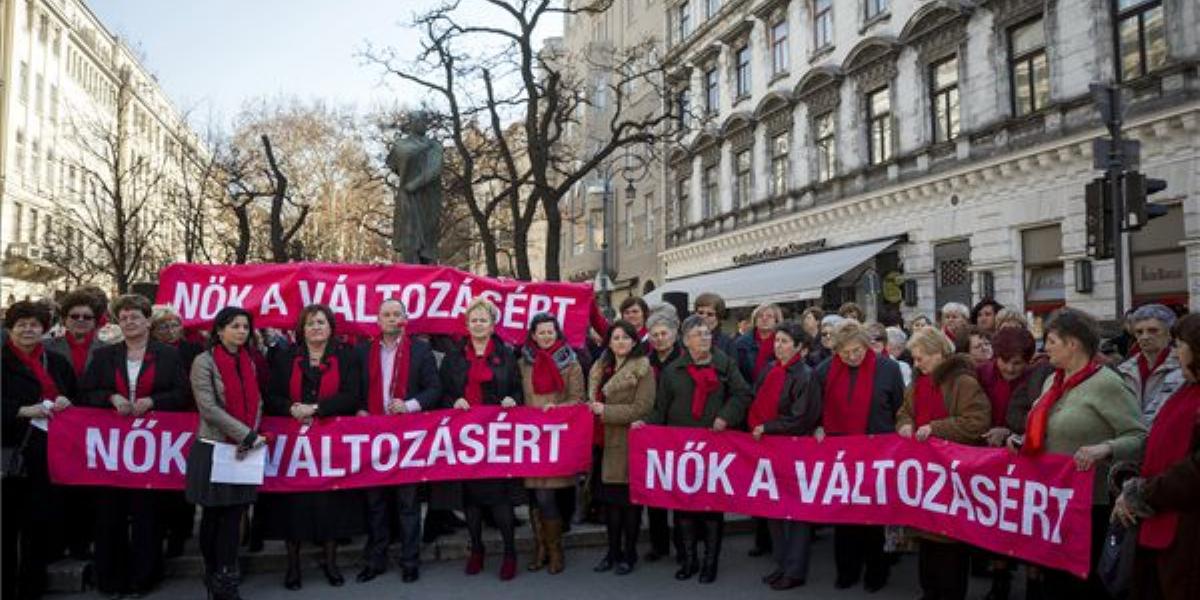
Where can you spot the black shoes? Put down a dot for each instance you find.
(368, 573)
(772, 577)
(410, 574)
(624, 568)
(605, 564)
(786, 583)
(333, 575)
(292, 580)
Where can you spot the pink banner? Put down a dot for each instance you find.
(99, 447)
(1033, 509)
(436, 297)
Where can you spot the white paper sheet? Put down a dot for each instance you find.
(226, 468)
(43, 424)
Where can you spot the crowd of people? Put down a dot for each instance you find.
(1127, 409)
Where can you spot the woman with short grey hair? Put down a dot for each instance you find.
(1152, 370)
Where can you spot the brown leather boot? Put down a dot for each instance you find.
(539, 540)
(554, 546)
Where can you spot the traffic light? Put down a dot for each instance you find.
(1138, 188)
(1099, 217)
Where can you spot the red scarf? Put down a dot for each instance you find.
(766, 400)
(1168, 443)
(999, 390)
(331, 377)
(33, 362)
(1039, 416)
(377, 401)
(546, 378)
(1144, 368)
(848, 410)
(79, 350)
(240, 378)
(948, 332)
(928, 402)
(145, 380)
(766, 350)
(478, 373)
(704, 381)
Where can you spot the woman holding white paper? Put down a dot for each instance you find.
(225, 387)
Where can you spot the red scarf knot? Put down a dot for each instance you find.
(1145, 369)
(478, 371)
(79, 350)
(240, 378)
(1039, 416)
(766, 351)
(705, 381)
(378, 399)
(765, 407)
(331, 377)
(847, 410)
(928, 402)
(547, 379)
(35, 361)
(1168, 443)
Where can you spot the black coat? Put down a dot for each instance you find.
(108, 363)
(725, 343)
(20, 388)
(424, 383)
(886, 396)
(506, 378)
(349, 398)
(800, 401)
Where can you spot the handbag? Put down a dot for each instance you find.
(1115, 567)
(14, 459)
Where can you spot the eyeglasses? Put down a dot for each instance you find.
(81, 317)
(167, 325)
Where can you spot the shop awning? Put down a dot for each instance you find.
(783, 280)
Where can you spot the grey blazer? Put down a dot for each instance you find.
(209, 391)
(58, 345)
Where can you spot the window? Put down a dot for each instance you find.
(51, 167)
(46, 229)
(879, 123)
(21, 155)
(600, 100)
(824, 135)
(649, 217)
(683, 106)
(874, 8)
(822, 24)
(779, 49)
(743, 71)
(779, 164)
(743, 164)
(1030, 72)
(39, 94)
(943, 81)
(578, 229)
(681, 203)
(596, 228)
(53, 103)
(35, 163)
(711, 8)
(33, 226)
(1141, 37)
(18, 215)
(711, 194)
(43, 28)
(629, 224)
(683, 22)
(24, 81)
(712, 93)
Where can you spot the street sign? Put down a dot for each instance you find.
(1131, 153)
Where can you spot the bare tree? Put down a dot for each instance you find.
(514, 83)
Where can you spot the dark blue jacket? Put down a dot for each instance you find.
(424, 385)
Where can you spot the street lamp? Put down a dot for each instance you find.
(603, 282)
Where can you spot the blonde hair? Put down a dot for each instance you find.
(931, 341)
(162, 312)
(1008, 315)
(849, 331)
(761, 308)
(481, 302)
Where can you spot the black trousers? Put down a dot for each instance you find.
(402, 503)
(790, 543)
(856, 547)
(661, 539)
(220, 536)
(944, 570)
(128, 540)
(31, 534)
(1061, 584)
(179, 517)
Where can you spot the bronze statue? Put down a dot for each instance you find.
(417, 162)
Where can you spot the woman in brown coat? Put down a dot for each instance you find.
(620, 391)
(550, 377)
(944, 401)
(1166, 498)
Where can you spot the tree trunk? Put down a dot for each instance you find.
(553, 237)
(242, 250)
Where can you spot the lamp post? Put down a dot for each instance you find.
(603, 282)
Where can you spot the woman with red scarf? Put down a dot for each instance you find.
(787, 401)
(705, 389)
(483, 371)
(635, 311)
(620, 391)
(754, 350)
(1085, 410)
(1152, 373)
(316, 378)
(37, 385)
(1166, 497)
(550, 377)
(861, 392)
(945, 401)
(133, 377)
(80, 318)
(224, 383)
(664, 349)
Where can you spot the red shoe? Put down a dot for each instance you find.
(508, 567)
(475, 563)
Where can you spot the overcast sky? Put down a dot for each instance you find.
(213, 56)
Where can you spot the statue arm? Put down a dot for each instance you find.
(429, 171)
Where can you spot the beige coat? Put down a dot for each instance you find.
(572, 393)
(209, 391)
(628, 397)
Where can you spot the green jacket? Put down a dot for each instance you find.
(1101, 410)
(673, 403)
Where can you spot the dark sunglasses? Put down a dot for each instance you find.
(79, 317)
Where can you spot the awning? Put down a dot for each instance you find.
(784, 280)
